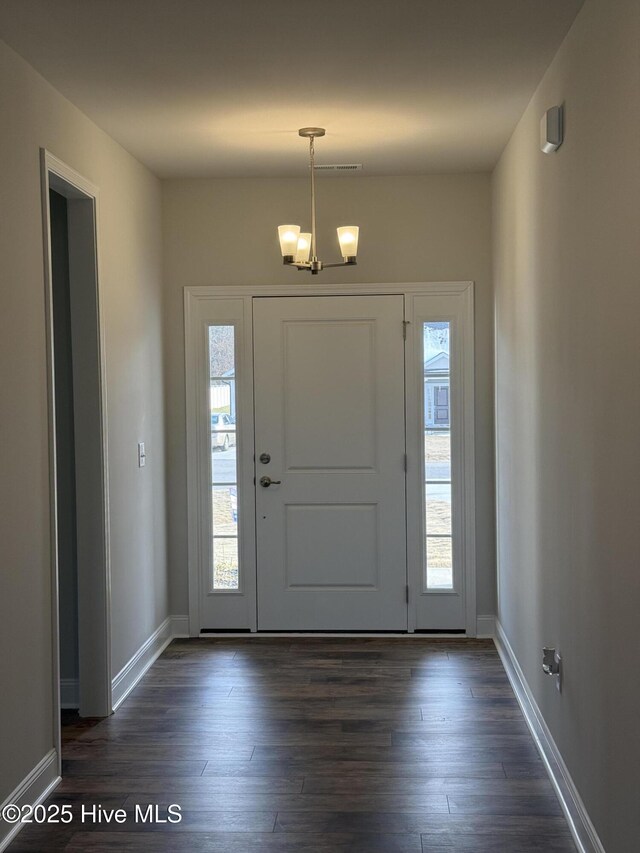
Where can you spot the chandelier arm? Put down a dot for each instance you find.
(342, 264)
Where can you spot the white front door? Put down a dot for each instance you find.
(330, 435)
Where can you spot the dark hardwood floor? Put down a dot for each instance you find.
(323, 745)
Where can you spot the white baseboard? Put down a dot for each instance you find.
(149, 651)
(582, 829)
(69, 693)
(33, 789)
(137, 666)
(486, 627)
(180, 627)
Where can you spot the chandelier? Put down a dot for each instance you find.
(299, 249)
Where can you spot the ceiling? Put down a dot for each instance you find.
(211, 88)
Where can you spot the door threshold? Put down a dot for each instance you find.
(419, 635)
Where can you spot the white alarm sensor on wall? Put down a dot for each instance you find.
(551, 130)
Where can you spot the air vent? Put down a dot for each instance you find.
(339, 167)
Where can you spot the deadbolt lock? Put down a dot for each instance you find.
(265, 458)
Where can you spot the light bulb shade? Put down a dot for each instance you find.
(304, 248)
(348, 239)
(288, 235)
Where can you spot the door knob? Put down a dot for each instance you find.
(265, 482)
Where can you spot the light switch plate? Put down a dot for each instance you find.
(552, 130)
(142, 456)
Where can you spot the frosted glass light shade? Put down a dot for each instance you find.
(288, 236)
(304, 248)
(348, 239)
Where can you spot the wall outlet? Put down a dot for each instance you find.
(142, 456)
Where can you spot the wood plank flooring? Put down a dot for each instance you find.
(312, 745)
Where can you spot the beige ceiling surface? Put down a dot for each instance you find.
(211, 88)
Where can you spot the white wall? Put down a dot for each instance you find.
(567, 262)
(32, 114)
(426, 228)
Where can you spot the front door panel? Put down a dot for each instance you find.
(329, 409)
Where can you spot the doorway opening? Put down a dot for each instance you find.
(77, 445)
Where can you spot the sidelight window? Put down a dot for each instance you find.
(437, 454)
(223, 450)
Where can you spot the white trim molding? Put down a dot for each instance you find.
(69, 693)
(94, 603)
(33, 789)
(582, 829)
(320, 289)
(486, 627)
(138, 665)
(179, 627)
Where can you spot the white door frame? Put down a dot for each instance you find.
(195, 298)
(443, 609)
(94, 594)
